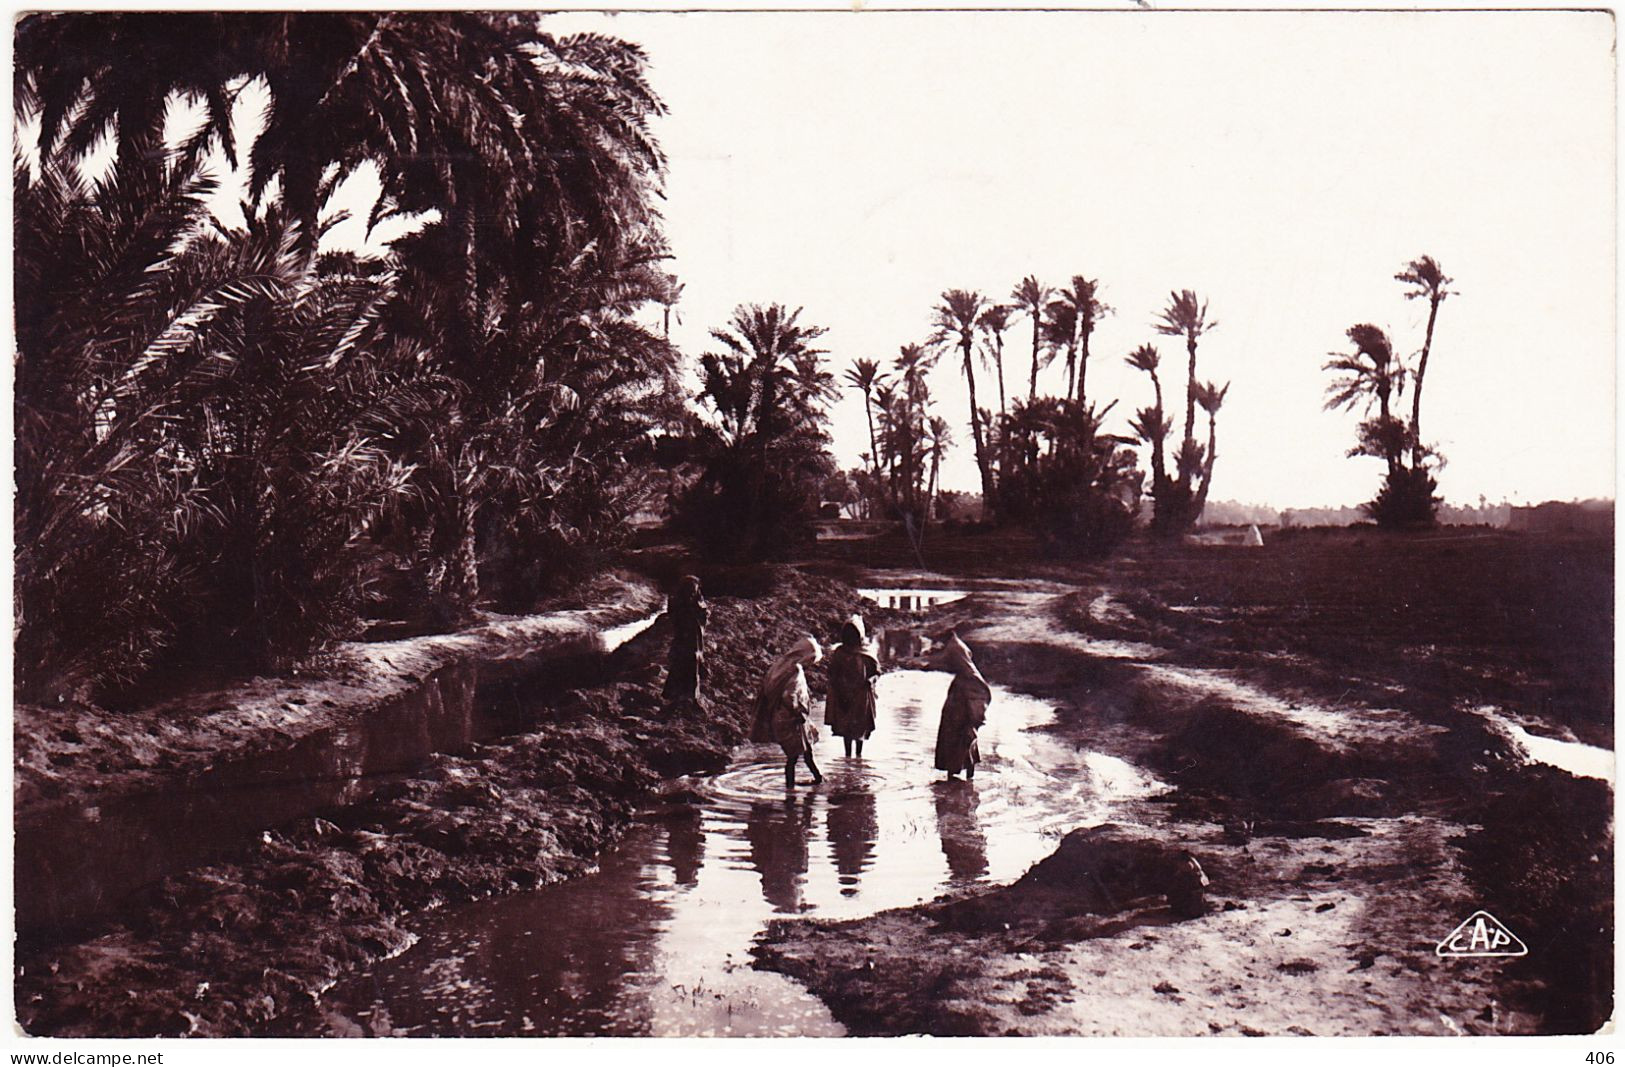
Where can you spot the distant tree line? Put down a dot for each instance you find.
(1043, 461)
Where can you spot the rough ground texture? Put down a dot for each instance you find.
(83, 754)
(224, 949)
(1310, 703)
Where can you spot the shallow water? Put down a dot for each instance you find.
(658, 941)
(911, 599)
(1574, 757)
(616, 636)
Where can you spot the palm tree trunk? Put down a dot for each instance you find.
(1083, 368)
(1071, 369)
(1390, 454)
(1190, 391)
(998, 365)
(874, 452)
(1416, 397)
(1032, 383)
(1207, 469)
(976, 434)
(931, 494)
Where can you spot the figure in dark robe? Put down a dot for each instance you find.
(963, 712)
(783, 708)
(849, 708)
(686, 666)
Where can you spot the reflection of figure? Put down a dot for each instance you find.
(782, 707)
(961, 833)
(852, 827)
(963, 712)
(685, 849)
(849, 709)
(686, 666)
(777, 834)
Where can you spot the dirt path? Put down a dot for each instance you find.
(1330, 828)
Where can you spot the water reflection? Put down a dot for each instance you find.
(777, 833)
(685, 849)
(963, 843)
(852, 827)
(658, 942)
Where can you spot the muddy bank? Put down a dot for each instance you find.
(227, 948)
(81, 754)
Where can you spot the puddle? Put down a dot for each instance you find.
(657, 942)
(911, 599)
(1574, 757)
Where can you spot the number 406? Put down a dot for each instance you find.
(1600, 1057)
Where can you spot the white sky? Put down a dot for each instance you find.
(1284, 165)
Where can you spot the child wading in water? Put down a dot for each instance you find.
(849, 709)
(963, 712)
(782, 708)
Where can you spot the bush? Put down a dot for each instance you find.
(1406, 499)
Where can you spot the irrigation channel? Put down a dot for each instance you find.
(657, 942)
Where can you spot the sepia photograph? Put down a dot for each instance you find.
(848, 523)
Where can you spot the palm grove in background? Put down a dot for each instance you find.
(234, 445)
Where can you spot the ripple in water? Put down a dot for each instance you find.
(658, 941)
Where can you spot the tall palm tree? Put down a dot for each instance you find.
(939, 437)
(911, 365)
(864, 375)
(1152, 424)
(993, 322)
(1032, 296)
(1186, 317)
(1083, 298)
(1061, 335)
(1426, 281)
(955, 321)
(1370, 375)
(1210, 398)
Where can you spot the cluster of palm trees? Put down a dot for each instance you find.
(1373, 376)
(906, 442)
(1012, 446)
(764, 460)
(221, 431)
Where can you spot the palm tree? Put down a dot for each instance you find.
(1032, 296)
(955, 322)
(1211, 398)
(454, 108)
(864, 375)
(1152, 424)
(770, 340)
(939, 437)
(1370, 374)
(1426, 280)
(993, 322)
(1061, 335)
(1087, 309)
(1185, 317)
(911, 365)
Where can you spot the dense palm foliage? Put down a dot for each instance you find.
(1076, 486)
(766, 458)
(225, 439)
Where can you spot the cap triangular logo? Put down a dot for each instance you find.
(1482, 934)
